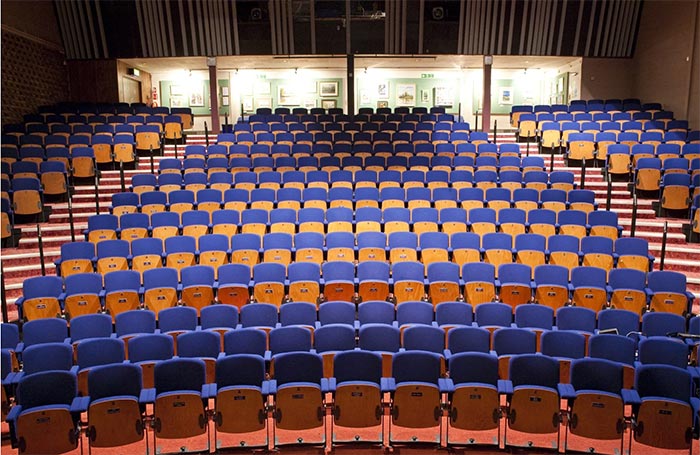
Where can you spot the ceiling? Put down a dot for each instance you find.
(423, 62)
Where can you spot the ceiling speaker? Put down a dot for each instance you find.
(438, 13)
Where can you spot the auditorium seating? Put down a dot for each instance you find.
(461, 266)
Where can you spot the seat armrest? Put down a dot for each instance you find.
(446, 385)
(207, 391)
(272, 386)
(566, 391)
(630, 396)
(388, 384)
(505, 387)
(147, 396)
(80, 404)
(266, 388)
(17, 377)
(324, 385)
(213, 390)
(15, 411)
(9, 379)
(332, 384)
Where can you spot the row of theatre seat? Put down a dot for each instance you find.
(661, 119)
(177, 200)
(104, 148)
(158, 280)
(587, 146)
(145, 137)
(614, 105)
(98, 126)
(223, 318)
(546, 125)
(87, 109)
(306, 159)
(566, 248)
(460, 371)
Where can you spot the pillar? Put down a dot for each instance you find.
(486, 95)
(213, 96)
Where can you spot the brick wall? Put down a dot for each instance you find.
(33, 74)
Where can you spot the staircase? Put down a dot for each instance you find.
(24, 261)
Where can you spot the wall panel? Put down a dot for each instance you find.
(168, 28)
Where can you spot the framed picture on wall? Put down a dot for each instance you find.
(443, 96)
(364, 96)
(197, 96)
(382, 104)
(383, 90)
(287, 96)
(264, 101)
(309, 103)
(176, 90)
(328, 104)
(178, 101)
(247, 103)
(425, 96)
(328, 88)
(505, 95)
(224, 100)
(405, 94)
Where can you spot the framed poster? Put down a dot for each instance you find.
(405, 94)
(425, 96)
(309, 103)
(178, 101)
(383, 90)
(224, 100)
(505, 95)
(177, 90)
(264, 101)
(224, 91)
(382, 104)
(287, 96)
(443, 96)
(364, 96)
(328, 104)
(197, 96)
(247, 103)
(328, 88)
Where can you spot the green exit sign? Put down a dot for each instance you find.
(262, 76)
(427, 75)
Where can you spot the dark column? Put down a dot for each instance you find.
(213, 95)
(350, 95)
(486, 95)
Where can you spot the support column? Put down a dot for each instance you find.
(214, 96)
(350, 92)
(486, 95)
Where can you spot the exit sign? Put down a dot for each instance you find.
(427, 75)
